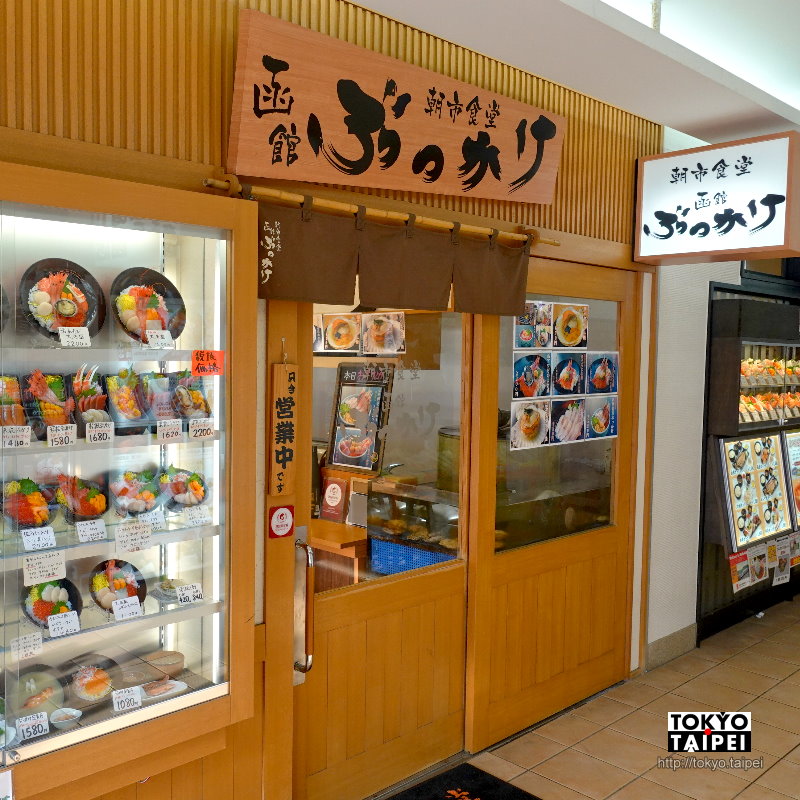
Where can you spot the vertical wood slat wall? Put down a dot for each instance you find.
(156, 76)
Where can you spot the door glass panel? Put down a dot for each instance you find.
(386, 435)
(557, 419)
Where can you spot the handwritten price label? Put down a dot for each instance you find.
(201, 428)
(191, 593)
(74, 337)
(133, 535)
(159, 340)
(91, 530)
(16, 436)
(154, 518)
(38, 538)
(169, 430)
(27, 646)
(208, 362)
(99, 432)
(43, 567)
(195, 516)
(33, 725)
(63, 624)
(126, 699)
(126, 608)
(61, 435)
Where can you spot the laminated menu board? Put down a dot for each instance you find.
(793, 466)
(755, 488)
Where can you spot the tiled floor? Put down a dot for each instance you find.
(609, 747)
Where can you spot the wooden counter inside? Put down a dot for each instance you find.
(340, 551)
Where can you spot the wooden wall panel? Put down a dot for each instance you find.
(156, 76)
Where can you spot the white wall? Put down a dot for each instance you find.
(677, 443)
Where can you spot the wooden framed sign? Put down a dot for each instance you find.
(308, 107)
(737, 200)
(283, 428)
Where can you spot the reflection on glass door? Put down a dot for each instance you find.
(557, 424)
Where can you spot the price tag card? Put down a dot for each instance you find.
(27, 646)
(154, 518)
(133, 535)
(201, 428)
(74, 337)
(17, 436)
(33, 725)
(43, 567)
(191, 593)
(99, 432)
(126, 699)
(208, 362)
(38, 538)
(159, 340)
(64, 624)
(169, 430)
(195, 516)
(91, 530)
(61, 435)
(126, 608)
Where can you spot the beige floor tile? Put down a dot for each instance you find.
(772, 740)
(634, 694)
(529, 750)
(779, 715)
(718, 652)
(783, 652)
(789, 635)
(751, 774)
(756, 792)
(736, 678)
(786, 693)
(691, 663)
(642, 789)
(646, 727)
(783, 777)
(603, 710)
(498, 767)
(794, 678)
(673, 702)
(736, 636)
(665, 678)
(584, 774)
(700, 784)
(544, 788)
(762, 665)
(704, 690)
(568, 729)
(762, 627)
(622, 751)
(794, 756)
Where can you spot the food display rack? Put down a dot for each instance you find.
(127, 591)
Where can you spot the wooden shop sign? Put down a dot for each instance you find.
(308, 107)
(283, 429)
(725, 202)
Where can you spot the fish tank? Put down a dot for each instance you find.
(114, 450)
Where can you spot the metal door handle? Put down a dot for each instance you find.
(305, 666)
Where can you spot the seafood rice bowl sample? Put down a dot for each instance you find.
(90, 397)
(145, 300)
(25, 504)
(91, 683)
(184, 488)
(81, 500)
(11, 410)
(116, 580)
(134, 493)
(127, 404)
(53, 597)
(46, 397)
(57, 301)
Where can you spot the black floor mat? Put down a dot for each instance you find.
(464, 782)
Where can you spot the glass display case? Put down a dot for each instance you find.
(769, 384)
(115, 552)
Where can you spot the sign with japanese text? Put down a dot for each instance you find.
(309, 107)
(208, 362)
(719, 203)
(283, 430)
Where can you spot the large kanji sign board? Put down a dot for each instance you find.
(731, 201)
(308, 107)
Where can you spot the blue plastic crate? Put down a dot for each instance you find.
(388, 558)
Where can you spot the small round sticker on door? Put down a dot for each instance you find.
(281, 521)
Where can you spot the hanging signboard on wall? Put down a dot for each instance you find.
(720, 203)
(309, 107)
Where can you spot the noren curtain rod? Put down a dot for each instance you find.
(324, 205)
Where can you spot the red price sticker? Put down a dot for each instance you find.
(281, 522)
(208, 362)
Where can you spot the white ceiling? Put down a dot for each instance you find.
(602, 52)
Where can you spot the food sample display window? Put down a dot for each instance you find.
(557, 423)
(386, 431)
(114, 450)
